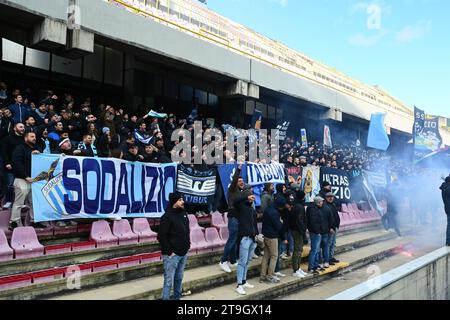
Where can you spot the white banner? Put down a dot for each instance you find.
(258, 173)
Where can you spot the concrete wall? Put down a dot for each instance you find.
(426, 278)
(115, 23)
(56, 9)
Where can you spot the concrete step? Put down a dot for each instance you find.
(349, 260)
(335, 285)
(208, 276)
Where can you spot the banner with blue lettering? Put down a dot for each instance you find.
(227, 171)
(67, 187)
(340, 181)
(198, 187)
(259, 173)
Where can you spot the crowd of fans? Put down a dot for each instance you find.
(61, 124)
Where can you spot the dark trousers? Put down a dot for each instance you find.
(298, 250)
(448, 230)
(390, 222)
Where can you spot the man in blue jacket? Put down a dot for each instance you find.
(19, 111)
(272, 230)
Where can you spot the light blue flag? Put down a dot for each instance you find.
(378, 137)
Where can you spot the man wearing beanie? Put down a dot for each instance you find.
(174, 238)
(297, 225)
(325, 188)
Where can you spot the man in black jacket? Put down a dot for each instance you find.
(9, 144)
(445, 188)
(318, 228)
(230, 251)
(174, 238)
(22, 183)
(271, 230)
(297, 226)
(336, 222)
(247, 231)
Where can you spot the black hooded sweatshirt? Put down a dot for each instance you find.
(297, 218)
(445, 187)
(174, 233)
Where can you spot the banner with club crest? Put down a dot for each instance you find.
(197, 186)
(66, 187)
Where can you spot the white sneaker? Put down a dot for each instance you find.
(255, 256)
(232, 265)
(284, 256)
(241, 290)
(279, 274)
(298, 275)
(7, 205)
(326, 265)
(248, 286)
(276, 278)
(225, 267)
(302, 272)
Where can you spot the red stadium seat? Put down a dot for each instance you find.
(85, 268)
(127, 261)
(16, 281)
(47, 275)
(5, 217)
(141, 227)
(193, 223)
(106, 265)
(224, 234)
(217, 220)
(198, 242)
(212, 238)
(25, 243)
(83, 246)
(225, 217)
(149, 257)
(122, 230)
(102, 235)
(6, 253)
(345, 208)
(58, 248)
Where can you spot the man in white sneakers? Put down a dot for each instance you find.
(247, 232)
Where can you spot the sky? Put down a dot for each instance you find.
(401, 45)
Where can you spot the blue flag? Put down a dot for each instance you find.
(378, 137)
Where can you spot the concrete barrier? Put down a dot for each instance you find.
(426, 278)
